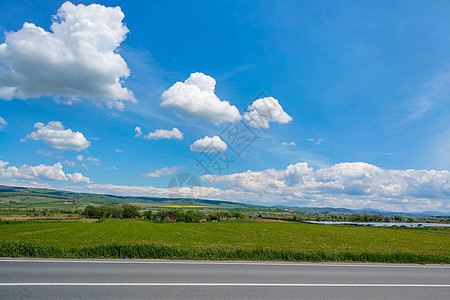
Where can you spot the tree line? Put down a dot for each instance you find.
(128, 211)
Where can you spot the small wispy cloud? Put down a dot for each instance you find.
(3, 123)
(161, 172)
(89, 158)
(288, 144)
(69, 163)
(316, 141)
(433, 92)
(138, 131)
(44, 152)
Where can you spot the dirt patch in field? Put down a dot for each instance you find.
(269, 221)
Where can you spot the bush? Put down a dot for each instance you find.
(148, 215)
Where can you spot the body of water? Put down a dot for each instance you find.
(381, 224)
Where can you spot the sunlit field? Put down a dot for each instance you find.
(229, 236)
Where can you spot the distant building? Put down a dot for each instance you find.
(255, 216)
(169, 216)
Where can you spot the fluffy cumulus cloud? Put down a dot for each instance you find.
(196, 98)
(265, 110)
(55, 136)
(162, 172)
(209, 144)
(3, 123)
(77, 58)
(40, 172)
(159, 134)
(353, 185)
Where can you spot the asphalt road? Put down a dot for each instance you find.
(130, 279)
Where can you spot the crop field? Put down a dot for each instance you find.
(19, 201)
(242, 235)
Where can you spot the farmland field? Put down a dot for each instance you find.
(245, 235)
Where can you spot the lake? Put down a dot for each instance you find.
(381, 224)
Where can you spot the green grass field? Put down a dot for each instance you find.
(228, 236)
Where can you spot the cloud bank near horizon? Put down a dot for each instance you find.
(349, 185)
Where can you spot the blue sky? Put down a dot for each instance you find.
(362, 89)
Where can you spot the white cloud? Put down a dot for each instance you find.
(434, 96)
(119, 150)
(265, 110)
(69, 163)
(40, 172)
(150, 191)
(89, 158)
(55, 136)
(315, 141)
(77, 58)
(352, 185)
(78, 178)
(138, 131)
(159, 134)
(41, 151)
(162, 172)
(288, 144)
(207, 144)
(196, 98)
(3, 123)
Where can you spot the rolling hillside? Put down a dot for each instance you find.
(23, 197)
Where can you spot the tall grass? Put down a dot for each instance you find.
(151, 251)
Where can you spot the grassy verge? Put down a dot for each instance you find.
(151, 251)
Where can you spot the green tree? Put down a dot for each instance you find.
(115, 212)
(148, 214)
(89, 211)
(130, 211)
(398, 218)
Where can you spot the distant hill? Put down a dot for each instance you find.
(346, 211)
(23, 197)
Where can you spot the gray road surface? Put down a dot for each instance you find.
(141, 279)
